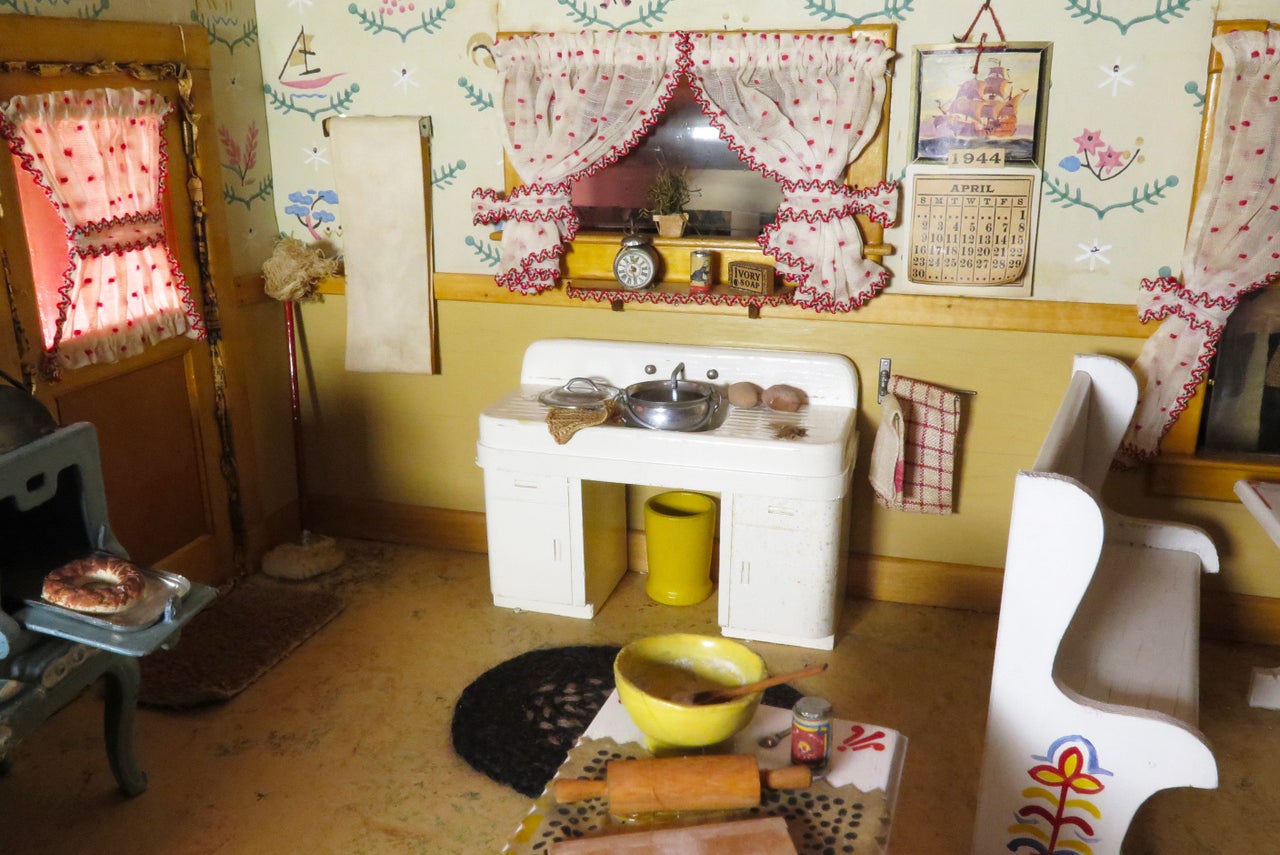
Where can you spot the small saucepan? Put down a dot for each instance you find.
(675, 404)
(581, 393)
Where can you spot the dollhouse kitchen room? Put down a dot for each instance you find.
(579, 426)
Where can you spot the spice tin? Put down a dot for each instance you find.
(700, 271)
(811, 732)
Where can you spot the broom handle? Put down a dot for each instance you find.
(295, 401)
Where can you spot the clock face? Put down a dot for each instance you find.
(634, 268)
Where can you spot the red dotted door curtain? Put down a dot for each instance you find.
(98, 157)
(797, 108)
(1233, 244)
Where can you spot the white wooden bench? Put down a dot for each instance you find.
(1095, 685)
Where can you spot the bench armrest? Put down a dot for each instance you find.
(1163, 535)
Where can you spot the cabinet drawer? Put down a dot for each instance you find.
(523, 487)
(785, 513)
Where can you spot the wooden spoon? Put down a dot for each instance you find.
(728, 693)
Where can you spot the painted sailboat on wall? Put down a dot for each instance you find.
(298, 72)
(303, 81)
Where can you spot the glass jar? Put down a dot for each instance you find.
(811, 732)
(700, 271)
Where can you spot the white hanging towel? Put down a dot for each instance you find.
(380, 170)
(887, 472)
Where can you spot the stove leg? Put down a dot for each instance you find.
(122, 679)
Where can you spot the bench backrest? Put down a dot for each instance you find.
(1091, 420)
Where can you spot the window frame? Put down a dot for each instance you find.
(1182, 468)
(588, 258)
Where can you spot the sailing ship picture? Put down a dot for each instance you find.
(991, 100)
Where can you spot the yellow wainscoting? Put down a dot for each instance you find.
(1225, 616)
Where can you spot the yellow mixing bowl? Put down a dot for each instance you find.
(651, 671)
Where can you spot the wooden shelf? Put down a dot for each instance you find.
(674, 294)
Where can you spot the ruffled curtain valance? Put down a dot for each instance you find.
(797, 108)
(98, 155)
(1233, 244)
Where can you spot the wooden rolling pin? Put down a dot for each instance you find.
(703, 782)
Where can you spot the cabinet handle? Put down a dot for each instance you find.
(525, 485)
(782, 510)
(555, 550)
(744, 573)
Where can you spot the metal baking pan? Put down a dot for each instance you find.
(136, 641)
(158, 596)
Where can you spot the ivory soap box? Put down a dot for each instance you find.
(750, 277)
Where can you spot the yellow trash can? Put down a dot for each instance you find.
(679, 536)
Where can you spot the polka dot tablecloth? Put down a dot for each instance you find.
(848, 812)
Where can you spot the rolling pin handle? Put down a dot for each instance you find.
(787, 778)
(577, 789)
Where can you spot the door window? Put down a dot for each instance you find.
(92, 171)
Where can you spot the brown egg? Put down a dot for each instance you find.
(786, 399)
(744, 394)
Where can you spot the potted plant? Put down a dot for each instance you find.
(668, 195)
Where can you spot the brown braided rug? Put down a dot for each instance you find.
(234, 641)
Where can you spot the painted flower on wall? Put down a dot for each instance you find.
(1101, 159)
(1088, 141)
(398, 17)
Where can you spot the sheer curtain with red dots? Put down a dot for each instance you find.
(572, 104)
(800, 108)
(92, 171)
(1233, 244)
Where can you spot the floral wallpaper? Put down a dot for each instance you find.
(1123, 111)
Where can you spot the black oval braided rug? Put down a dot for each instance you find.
(518, 720)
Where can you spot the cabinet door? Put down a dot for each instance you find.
(528, 520)
(784, 566)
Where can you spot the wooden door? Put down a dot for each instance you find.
(169, 467)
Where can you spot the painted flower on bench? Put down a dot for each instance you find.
(1055, 821)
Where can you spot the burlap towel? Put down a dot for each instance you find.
(564, 423)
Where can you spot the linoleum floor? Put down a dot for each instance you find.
(345, 748)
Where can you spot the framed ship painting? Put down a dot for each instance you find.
(981, 107)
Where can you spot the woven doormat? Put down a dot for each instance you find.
(518, 720)
(233, 642)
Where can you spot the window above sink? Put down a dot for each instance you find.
(805, 197)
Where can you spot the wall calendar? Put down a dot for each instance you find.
(972, 229)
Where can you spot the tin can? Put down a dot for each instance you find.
(700, 271)
(811, 732)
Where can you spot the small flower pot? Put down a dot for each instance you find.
(671, 225)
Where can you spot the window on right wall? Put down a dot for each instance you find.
(1227, 424)
(1242, 402)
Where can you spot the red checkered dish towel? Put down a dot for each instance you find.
(913, 459)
